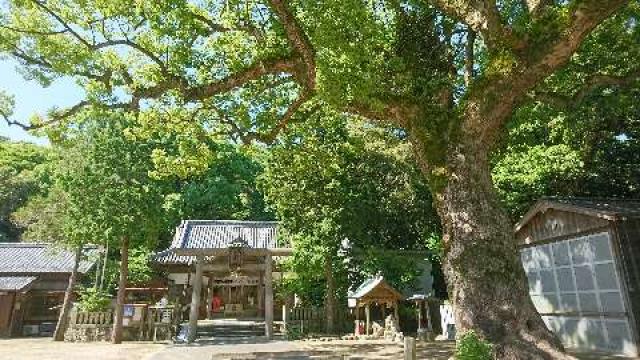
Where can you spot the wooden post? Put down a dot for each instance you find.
(357, 329)
(210, 297)
(409, 348)
(367, 314)
(268, 298)
(395, 314)
(260, 291)
(419, 303)
(195, 300)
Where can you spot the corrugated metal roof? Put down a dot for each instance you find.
(15, 283)
(606, 208)
(219, 234)
(28, 258)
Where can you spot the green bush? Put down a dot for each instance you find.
(92, 299)
(294, 333)
(471, 347)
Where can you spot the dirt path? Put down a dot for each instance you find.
(46, 349)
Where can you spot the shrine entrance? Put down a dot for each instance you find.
(226, 270)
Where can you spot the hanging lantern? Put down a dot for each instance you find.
(236, 253)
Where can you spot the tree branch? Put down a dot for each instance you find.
(594, 82)
(10, 122)
(484, 119)
(133, 45)
(298, 40)
(284, 121)
(483, 17)
(536, 7)
(34, 32)
(585, 17)
(395, 112)
(62, 22)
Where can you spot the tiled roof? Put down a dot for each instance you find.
(28, 258)
(15, 283)
(606, 208)
(169, 257)
(219, 234)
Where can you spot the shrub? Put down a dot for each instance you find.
(294, 333)
(471, 347)
(92, 299)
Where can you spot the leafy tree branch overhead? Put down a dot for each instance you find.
(450, 73)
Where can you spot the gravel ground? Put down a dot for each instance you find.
(45, 349)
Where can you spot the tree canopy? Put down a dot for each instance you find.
(451, 74)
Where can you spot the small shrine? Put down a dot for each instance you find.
(376, 292)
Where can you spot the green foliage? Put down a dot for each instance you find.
(92, 300)
(140, 271)
(294, 332)
(23, 174)
(585, 142)
(471, 347)
(330, 181)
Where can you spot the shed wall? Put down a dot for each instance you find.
(628, 235)
(554, 224)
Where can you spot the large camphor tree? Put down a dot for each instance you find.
(450, 73)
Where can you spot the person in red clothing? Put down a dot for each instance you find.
(216, 303)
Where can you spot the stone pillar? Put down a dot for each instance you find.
(409, 348)
(268, 297)
(195, 300)
(285, 311)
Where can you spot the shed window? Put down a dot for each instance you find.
(575, 285)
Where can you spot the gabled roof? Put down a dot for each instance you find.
(31, 258)
(605, 208)
(15, 283)
(371, 284)
(219, 234)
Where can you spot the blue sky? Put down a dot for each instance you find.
(32, 98)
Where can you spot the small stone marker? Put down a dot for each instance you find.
(409, 348)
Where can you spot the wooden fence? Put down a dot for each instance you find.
(307, 320)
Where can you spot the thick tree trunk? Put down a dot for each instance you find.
(116, 336)
(486, 281)
(330, 297)
(63, 318)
